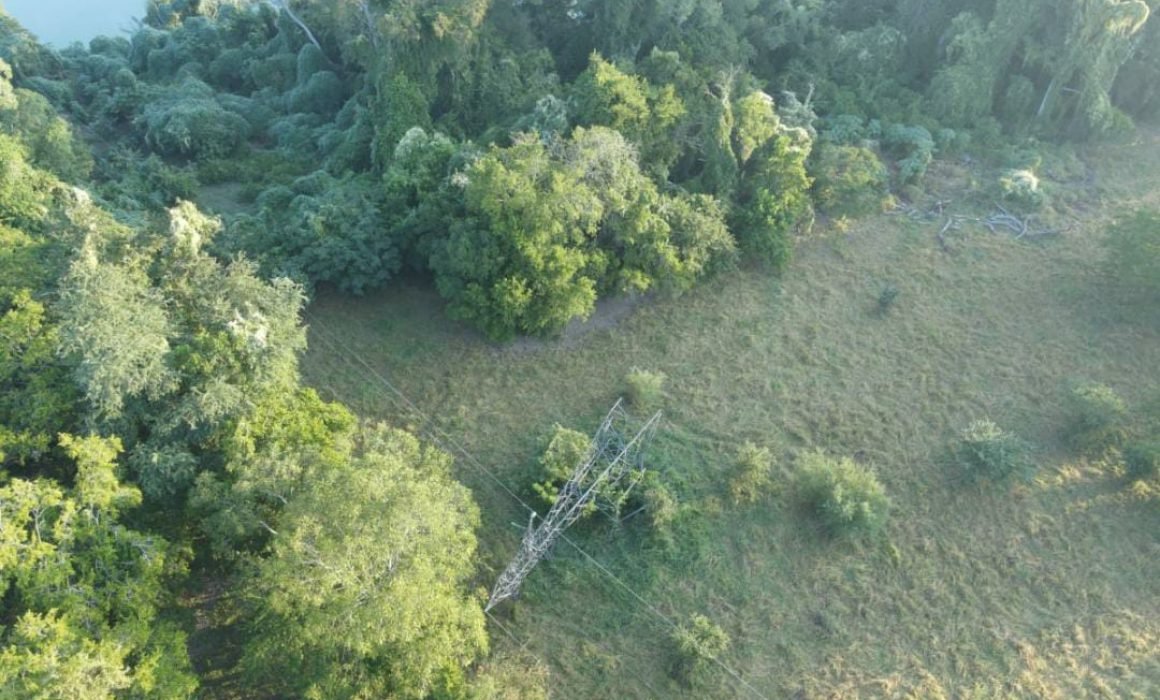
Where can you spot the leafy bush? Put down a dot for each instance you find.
(322, 229)
(187, 120)
(50, 141)
(1022, 187)
(661, 506)
(698, 644)
(752, 475)
(645, 389)
(773, 200)
(1142, 459)
(323, 93)
(1098, 417)
(986, 451)
(886, 299)
(565, 450)
(1133, 262)
(847, 497)
(849, 181)
(23, 189)
(844, 130)
(913, 146)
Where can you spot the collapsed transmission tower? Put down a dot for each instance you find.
(609, 470)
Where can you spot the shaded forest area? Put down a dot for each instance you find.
(527, 158)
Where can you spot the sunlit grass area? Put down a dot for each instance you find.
(1041, 589)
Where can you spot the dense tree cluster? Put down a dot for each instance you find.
(151, 421)
(718, 105)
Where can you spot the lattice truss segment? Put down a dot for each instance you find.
(603, 479)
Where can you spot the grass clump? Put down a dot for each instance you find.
(886, 299)
(752, 476)
(1142, 459)
(1133, 262)
(645, 389)
(698, 643)
(1099, 418)
(986, 451)
(847, 497)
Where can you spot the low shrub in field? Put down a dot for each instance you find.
(661, 506)
(845, 496)
(1142, 459)
(752, 476)
(698, 643)
(986, 451)
(1021, 187)
(1098, 418)
(886, 299)
(645, 389)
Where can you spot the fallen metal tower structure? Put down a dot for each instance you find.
(603, 479)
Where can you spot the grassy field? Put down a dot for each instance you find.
(1045, 590)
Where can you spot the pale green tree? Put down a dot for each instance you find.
(364, 593)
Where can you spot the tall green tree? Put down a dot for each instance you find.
(364, 592)
(83, 590)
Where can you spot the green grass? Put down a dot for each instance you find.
(1049, 590)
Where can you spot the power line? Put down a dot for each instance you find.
(337, 342)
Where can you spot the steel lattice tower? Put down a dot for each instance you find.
(609, 470)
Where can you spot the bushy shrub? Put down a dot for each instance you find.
(844, 130)
(1142, 459)
(752, 474)
(256, 113)
(565, 451)
(1098, 418)
(278, 72)
(23, 189)
(698, 644)
(1022, 187)
(644, 389)
(1133, 262)
(322, 93)
(322, 229)
(661, 507)
(847, 497)
(49, 140)
(886, 299)
(774, 199)
(985, 451)
(187, 120)
(913, 146)
(849, 181)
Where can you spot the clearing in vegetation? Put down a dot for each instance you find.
(1046, 588)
